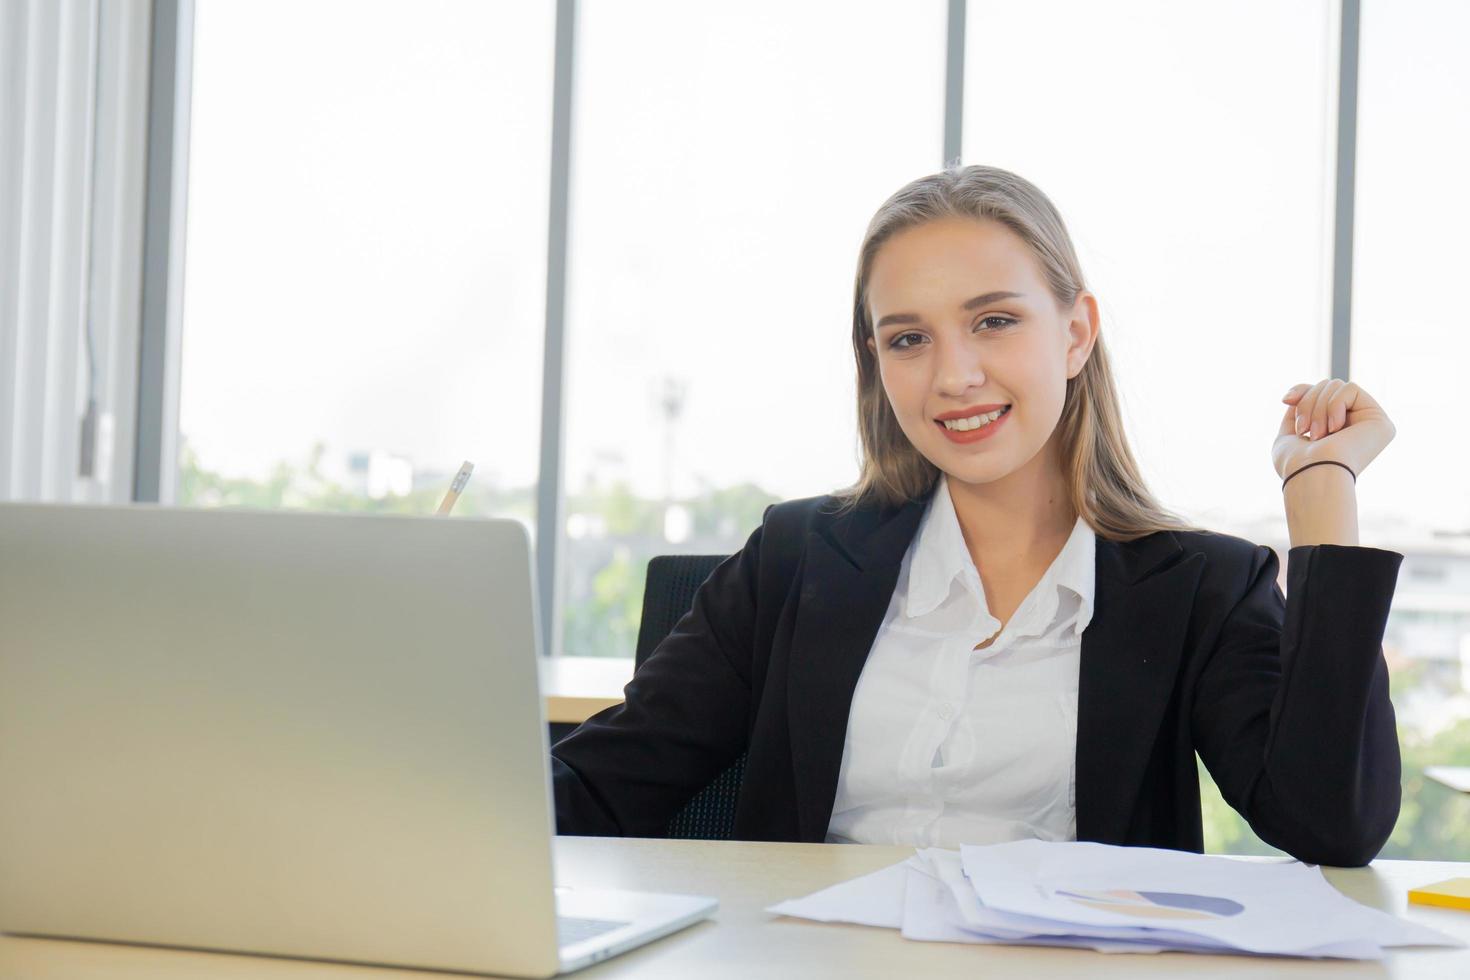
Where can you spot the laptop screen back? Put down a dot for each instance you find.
(312, 735)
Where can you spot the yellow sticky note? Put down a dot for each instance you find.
(1452, 894)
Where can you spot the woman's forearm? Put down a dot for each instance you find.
(1322, 507)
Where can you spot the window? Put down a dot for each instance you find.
(1190, 151)
(366, 268)
(1410, 349)
(1198, 194)
(365, 283)
(726, 160)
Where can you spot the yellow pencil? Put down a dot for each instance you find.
(456, 487)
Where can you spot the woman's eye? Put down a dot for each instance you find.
(912, 339)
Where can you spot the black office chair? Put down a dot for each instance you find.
(668, 593)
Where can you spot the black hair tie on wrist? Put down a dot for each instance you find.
(1321, 462)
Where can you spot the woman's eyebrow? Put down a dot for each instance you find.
(969, 304)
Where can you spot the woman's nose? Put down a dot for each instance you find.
(959, 368)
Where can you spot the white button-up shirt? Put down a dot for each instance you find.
(947, 744)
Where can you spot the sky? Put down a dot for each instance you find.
(368, 207)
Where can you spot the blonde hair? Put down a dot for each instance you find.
(1103, 480)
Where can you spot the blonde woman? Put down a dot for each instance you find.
(998, 633)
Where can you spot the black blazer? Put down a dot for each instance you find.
(1191, 647)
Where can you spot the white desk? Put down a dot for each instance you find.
(745, 942)
(576, 688)
(1455, 777)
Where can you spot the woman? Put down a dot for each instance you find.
(997, 632)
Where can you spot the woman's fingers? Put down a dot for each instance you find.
(1294, 393)
(1287, 421)
(1318, 410)
(1304, 409)
(1318, 424)
(1341, 403)
(1322, 408)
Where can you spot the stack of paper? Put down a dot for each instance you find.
(1113, 899)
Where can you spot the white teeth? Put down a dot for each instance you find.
(973, 422)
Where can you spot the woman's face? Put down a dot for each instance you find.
(965, 327)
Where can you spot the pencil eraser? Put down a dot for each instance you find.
(1451, 894)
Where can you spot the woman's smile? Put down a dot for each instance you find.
(968, 425)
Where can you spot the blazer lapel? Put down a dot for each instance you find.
(850, 573)
(1130, 655)
(1131, 651)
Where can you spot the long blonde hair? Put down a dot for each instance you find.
(1103, 480)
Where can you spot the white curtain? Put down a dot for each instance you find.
(73, 127)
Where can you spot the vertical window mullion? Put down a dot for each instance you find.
(549, 484)
(1343, 198)
(169, 99)
(954, 83)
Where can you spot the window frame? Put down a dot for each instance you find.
(155, 447)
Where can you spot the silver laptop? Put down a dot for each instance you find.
(295, 734)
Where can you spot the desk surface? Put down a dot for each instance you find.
(1455, 777)
(744, 941)
(576, 688)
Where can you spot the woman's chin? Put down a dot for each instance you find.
(971, 471)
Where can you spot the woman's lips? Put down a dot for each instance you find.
(973, 435)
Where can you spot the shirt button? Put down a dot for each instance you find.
(946, 711)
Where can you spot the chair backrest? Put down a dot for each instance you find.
(668, 594)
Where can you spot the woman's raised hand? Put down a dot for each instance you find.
(1330, 420)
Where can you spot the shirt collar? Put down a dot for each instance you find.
(940, 556)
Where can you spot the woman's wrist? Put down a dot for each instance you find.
(1322, 507)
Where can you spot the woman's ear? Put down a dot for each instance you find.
(872, 347)
(1081, 332)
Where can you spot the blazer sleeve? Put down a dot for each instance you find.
(627, 770)
(1291, 712)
